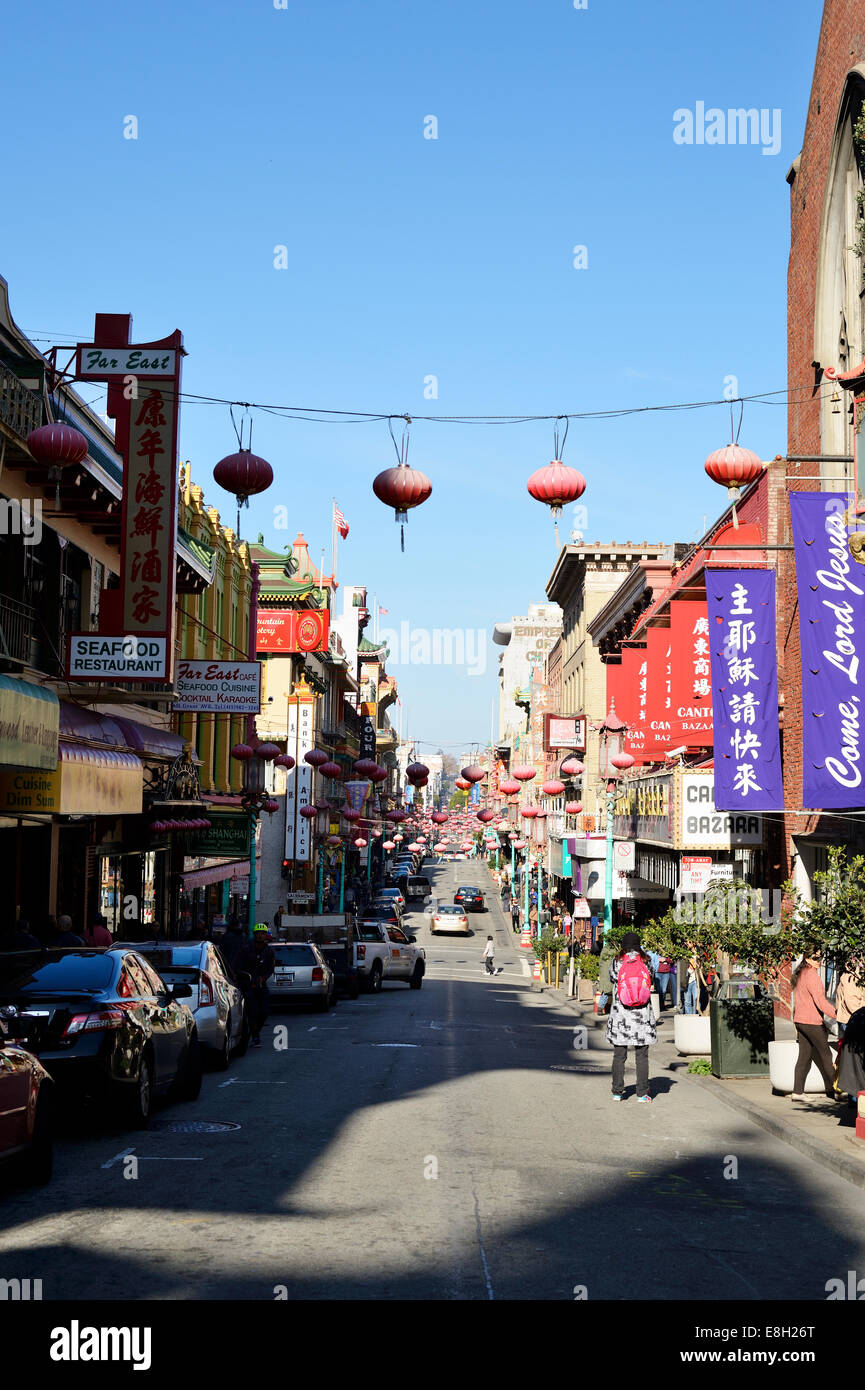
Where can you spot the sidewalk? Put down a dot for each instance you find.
(819, 1128)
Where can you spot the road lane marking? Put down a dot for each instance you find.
(118, 1158)
(487, 1280)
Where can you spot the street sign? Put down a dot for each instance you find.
(240, 887)
(132, 657)
(218, 687)
(227, 837)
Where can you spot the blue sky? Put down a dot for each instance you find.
(409, 257)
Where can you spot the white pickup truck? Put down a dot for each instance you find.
(384, 951)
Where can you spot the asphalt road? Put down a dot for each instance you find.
(444, 1144)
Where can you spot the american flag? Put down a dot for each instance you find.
(383, 610)
(340, 522)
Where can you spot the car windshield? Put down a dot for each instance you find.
(468, 890)
(451, 911)
(171, 957)
(69, 972)
(295, 954)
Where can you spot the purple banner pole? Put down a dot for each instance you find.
(831, 588)
(744, 664)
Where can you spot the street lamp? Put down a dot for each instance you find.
(613, 761)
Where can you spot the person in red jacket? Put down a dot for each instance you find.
(811, 1005)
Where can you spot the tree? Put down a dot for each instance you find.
(458, 800)
(834, 920)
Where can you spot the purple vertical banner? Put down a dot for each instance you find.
(831, 589)
(744, 662)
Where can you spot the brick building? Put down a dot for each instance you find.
(825, 346)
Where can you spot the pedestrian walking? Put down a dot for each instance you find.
(808, 1013)
(257, 962)
(488, 957)
(632, 1020)
(515, 915)
(692, 989)
(849, 996)
(97, 934)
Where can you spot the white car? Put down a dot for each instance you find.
(449, 918)
(302, 975)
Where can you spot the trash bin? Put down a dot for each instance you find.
(742, 1024)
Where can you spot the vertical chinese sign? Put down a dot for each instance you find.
(831, 589)
(747, 749)
(136, 640)
(298, 785)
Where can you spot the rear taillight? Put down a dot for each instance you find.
(94, 1023)
(205, 989)
(361, 951)
(317, 972)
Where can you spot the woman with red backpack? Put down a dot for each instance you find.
(632, 1020)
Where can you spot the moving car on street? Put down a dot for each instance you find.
(449, 918)
(386, 952)
(472, 899)
(105, 1026)
(215, 1000)
(302, 976)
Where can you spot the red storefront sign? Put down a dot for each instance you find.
(633, 693)
(691, 708)
(660, 689)
(293, 630)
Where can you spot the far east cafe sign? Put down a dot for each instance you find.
(136, 639)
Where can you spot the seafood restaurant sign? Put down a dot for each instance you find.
(831, 588)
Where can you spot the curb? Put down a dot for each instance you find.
(848, 1168)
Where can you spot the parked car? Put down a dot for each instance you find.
(216, 1000)
(386, 952)
(472, 899)
(302, 976)
(26, 1108)
(419, 888)
(385, 911)
(105, 1026)
(449, 917)
(392, 892)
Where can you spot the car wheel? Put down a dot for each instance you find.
(38, 1161)
(375, 979)
(189, 1084)
(224, 1054)
(416, 980)
(243, 1044)
(139, 1096)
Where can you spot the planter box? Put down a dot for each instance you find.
(586, 991)
(782, 1067)
(692, 1035)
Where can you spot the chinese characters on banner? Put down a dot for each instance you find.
(831, 588)
(659, 654)
(298, 786)
(635, 684)
(150, 508)
(691, 712)
(741, 607)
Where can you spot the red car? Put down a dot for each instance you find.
(26, 1108)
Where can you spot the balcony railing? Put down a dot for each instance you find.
(18, 631)
(20, 408)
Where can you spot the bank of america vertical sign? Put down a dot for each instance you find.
(831, 590)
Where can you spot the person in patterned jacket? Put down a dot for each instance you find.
(631, 1025)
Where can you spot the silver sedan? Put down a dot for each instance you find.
(216, 1001)
(302, 975)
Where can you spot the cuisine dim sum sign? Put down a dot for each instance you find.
(831, 589)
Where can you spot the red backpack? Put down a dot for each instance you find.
(634, 983)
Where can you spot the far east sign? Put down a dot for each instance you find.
(218, 687)
(143, 398)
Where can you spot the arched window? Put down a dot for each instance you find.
(839, 329)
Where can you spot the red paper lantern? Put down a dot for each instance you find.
(509, 787)
(486, 816)
(463, 784)
(56, 447)
(334, 840)
(525, 774)
(365, 767)
(378, 774)
(316, 758)
(415, 771)
(330, 770)
(361, 842)
(529, 812)
(402, 488)
(244, 474)
(388, 845)
(270, 806)
(572, 767)
(439, 817)
(553, 788)
(734, 468)
(308, 812)
(473, 773)
(157, 827)
(241, 752)
(284, 760)
(556, 485)
(348, 813)
(269, 752)
(622, 761)
(573, 808)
